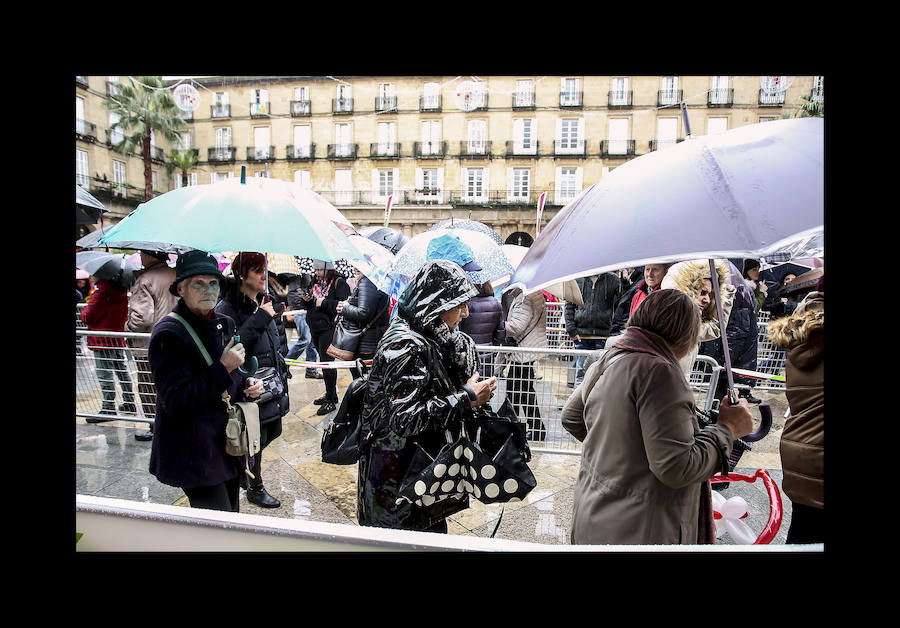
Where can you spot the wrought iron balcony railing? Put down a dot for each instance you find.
(517, 149)
(221, 154)
(220, 110)
(617, 148)
(260, 153)
(663, 144)
(523, 100)
(157, 153)
(112, 89)
(384, 104)
(621, 99)
(571, 99)
(430, 103)
(85, 129)
(341, 105)
(474, 149)
(669, 97)
(342, 151)
(771, 99)
(384, 150)
(301, 108)
(570, 147)
(425, 150)
(720, 97)
(259, 110)
(300, 152)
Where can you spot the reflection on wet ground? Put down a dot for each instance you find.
(111, 463)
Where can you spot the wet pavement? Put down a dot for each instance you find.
(111, 463)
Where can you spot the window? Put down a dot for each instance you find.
(618, 136)
(259, 102)
(666, 132)
(302, 141)
(300, 105)
(568, 183)
(518, 187)
(342, 95)
(185, 140)
(301, 178)
(524, 136)
(432, 96)
(431, 137)
(79, 116)
(387, 137)
(118, 177)
(386, 100)
(192, 179)
(342, 137)
(384, 181)
(218, 177)
(716, 125)
(818, 90)
(476, 135)
(619, 90)
(772, 89)
(479, 92)
(568, 92)
(261, 149)
(718, 93)
(524, 94)
(475, 184)
(569, 136)
(116, 135)
(669, 92)
(343, 187)
(220, 105)
(82, 173)
(429, 185)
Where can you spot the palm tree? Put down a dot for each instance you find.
(810, 108)
(144, 104)
(184, 160)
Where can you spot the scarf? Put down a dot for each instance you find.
(321, 288)
(457, 348)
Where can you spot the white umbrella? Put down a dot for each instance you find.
(565, 290)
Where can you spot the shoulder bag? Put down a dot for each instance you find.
(345, 343)
(342, 440)
(242, 437)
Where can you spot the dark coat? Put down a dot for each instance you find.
(322, 319)
(296, 287)
(259, 335)
(411, 398)
(280, 304)
(365, 304)
(600, 298)
(188, 447)
(742, 334)
(486, 324)
(621, 311)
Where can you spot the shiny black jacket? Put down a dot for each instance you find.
(411, 398)
(365, 304)
(188, 447)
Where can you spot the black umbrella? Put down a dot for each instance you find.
(109, 266)
(776, 274)
(92, 241)
(806, 281)
(389, 238)
(87, 208)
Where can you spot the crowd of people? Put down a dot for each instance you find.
(646, 463)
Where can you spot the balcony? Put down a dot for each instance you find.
(663, 144)
(157, 154)
(429, 150)
(474, 149)
(341, 105)
(570, 147)
(115, 136)
(221, 154)
(342, 151)
(384, 150)
(259, 110)
(112, 89)
(720, 97)
(430, 103)
(301, 108)
(260, 153)
(516, 149)
(620, 100)
(300, 152)
(81, 81)
(423, 196)
(617, 148)
(770, 99)
(478, 101)
(220, 110)
(523, 100)
(386, 104)
(571, 99)
(85, 130)
(669, 97)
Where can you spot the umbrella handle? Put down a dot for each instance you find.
(765, 413)
(252, 363)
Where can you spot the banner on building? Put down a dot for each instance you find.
(387, 209)
(540, 210)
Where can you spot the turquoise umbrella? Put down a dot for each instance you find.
(255, 214)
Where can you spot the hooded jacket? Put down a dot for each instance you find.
(687, 277)
(600, 294)
(414, 393)
(802, 445)
(645, 461)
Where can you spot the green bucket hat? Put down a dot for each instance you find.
(194, 263)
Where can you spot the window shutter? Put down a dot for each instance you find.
(579, 179)
(395, 182)
(440, 182)
(558, 183)
(487, 183)
(376, 192)
(510, 183)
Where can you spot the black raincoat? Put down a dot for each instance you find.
(414, 392)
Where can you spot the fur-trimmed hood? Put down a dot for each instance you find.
(688, 277)
(794, 330)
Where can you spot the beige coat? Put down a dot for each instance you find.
(526, 321)
(645, 461)
(150, 300)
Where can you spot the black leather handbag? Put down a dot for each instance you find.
(343, 440)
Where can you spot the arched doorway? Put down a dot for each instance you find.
(520, 238)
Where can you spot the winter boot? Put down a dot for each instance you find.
(256, 492)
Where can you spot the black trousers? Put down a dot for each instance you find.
(807, 524)
(322, 340)
(222, 496)
(521, 393)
